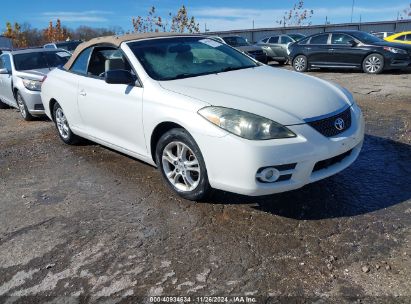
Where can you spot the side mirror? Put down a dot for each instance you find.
(352, 43)
(4, 71)
(119, 77)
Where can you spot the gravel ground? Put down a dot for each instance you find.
(85, 223)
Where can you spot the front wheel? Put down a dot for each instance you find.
(300, 63)
(3, 105)
(182, 165)
(24, 112)
(63, 127)
(373, 64)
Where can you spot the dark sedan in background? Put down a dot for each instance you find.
(244, 46)
(348, 49)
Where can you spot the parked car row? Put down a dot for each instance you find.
(198, 109)
(372, 53)
(349, 49)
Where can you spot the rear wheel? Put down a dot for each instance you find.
(300, 63)
(24, 112)
(373, 64)
(63, 127)
(182, 165)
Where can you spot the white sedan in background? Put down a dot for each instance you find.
(204, 113)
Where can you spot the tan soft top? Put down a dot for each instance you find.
(116, 40)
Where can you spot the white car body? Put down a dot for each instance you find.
(124, 118)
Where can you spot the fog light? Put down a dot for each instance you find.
(268, 175)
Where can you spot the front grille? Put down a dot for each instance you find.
(324, 164)
(38, 107)
(327, 126)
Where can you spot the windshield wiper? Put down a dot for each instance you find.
(186, 75)
(228, 69)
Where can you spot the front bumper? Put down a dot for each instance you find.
(259, 57)
(33, 101)
(232, 162)
(397, 61)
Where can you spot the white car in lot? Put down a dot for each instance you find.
(21, 74)
(204, 113)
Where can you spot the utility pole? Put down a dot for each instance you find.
(352, 9)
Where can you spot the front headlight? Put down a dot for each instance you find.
(395, 50)
(32, 85)
(244, 124)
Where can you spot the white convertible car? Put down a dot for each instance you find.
(204, 113)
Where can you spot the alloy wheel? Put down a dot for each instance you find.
(299, 64)
(62, 124)
(181, 166)
(373, 64)
(21, 105)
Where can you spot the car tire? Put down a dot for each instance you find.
(373, 64)
(182, 165)
(63, 128)
(300, 63)
(3, 105)
(24, 112)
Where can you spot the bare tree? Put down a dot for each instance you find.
(296, 16)
(180, 22)
(406, 13)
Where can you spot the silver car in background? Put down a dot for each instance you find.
(21, 75)
(65, 45)
(276, 47)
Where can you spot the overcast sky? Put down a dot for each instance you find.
(217, 14)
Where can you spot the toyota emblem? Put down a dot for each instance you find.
(339, 124)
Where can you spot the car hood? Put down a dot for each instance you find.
(37, 74)
(284, 96)
(392, 44)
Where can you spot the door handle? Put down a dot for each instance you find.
(83, 93)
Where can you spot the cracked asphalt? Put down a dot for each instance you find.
(85, 224)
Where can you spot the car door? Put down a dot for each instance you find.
(284, 42)
(345, 52)
(276, 49)
(318, 50)
(6, 81)
(111, 112)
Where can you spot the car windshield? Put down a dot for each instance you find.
(184, 57)
(69, 46)
(296, 37)
(40, 60)
(236, 41)
(365, 37)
